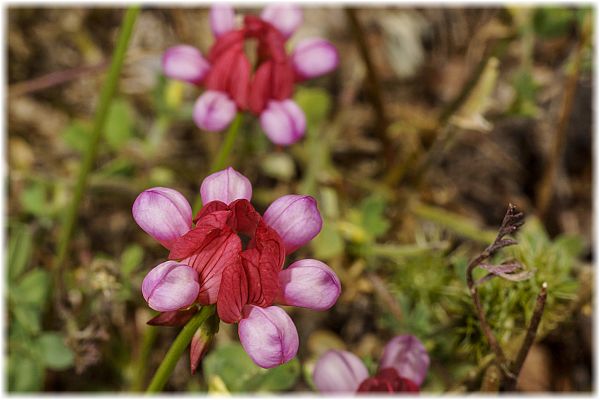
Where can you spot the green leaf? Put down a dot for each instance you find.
(27, 316)
(119, 124)
(315, 103)
(553, 22)
(328, 243)
(19, 250)
(231, 363)
(77, 135)
(32, 289)
(24, 374)
(239, 373)
(34, 200)
(373, 218)
(56, 355)
(131, 259)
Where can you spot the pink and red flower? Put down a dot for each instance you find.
(233, 84)
(402, 368)
(209, 263)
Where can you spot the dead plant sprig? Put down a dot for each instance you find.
(510, 370)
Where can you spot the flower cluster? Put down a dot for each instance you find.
(231, 82)
(402, 368)
(209, 263)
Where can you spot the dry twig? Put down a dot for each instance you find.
(512, 221)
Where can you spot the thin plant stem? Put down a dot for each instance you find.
(374, 84)
(148, 340)
(220, 159)
(106, 96)
(166, 367)
(232, 133)
(547, 184)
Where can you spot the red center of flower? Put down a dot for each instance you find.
(387, 380)
(229, 275)
(232, 73)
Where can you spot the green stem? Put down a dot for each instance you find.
(108, 91)
(221, 158)
(184, 338)
(141, 363)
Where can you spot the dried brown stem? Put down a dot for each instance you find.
(374, 85)
(53, 79)
(547, 183)
(511, 383)
(386, 296)
(511, 222)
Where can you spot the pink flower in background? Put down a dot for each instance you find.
(402, 368)
(209, 264)
(231, 82)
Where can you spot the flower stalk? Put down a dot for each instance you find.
(106, 96)
(510, 370)
(221, 158)
(177, 348)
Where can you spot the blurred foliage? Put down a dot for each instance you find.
(31, 349)
(230, 369)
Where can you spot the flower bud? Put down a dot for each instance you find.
(214, 111)
(339, 372)
(295, 218)
(185, 63)
(226, 186)
(268, 335)
(163, 213)
(283, 122)
(222, 19)
(170, 286)
(314, 57)
(309, 283)
(407, 355)
(285, 17)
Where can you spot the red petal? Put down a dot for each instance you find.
(244, 218)
(282, 81)
(205, 231)
(212, 259)
(210, 208)
(221, 69)
(233, 293)
(260, 90)
(262, 264)
(233, 40)
(239, 80)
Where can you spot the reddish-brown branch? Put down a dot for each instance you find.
(374, 85)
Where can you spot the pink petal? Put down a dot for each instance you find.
(285, 17)
(170, 286)
(226, 186)
(163, 213)
(339, 372)
(268, 335)
(185, 63)
(314, 57)
(284, 122)
(295, 218)
(222, 19)
(309, 283)
(407, 355)
(214, 111)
